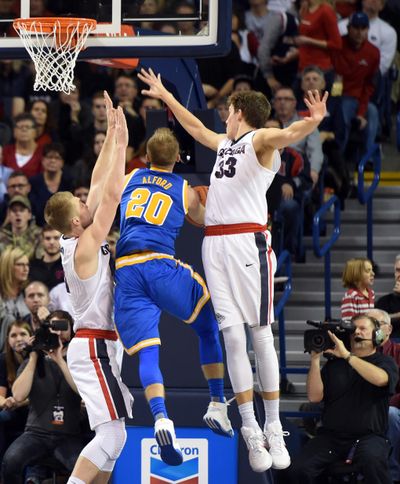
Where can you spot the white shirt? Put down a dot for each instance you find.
(238, 184)
(92, 298)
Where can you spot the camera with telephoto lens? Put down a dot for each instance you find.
(318, 340)
(45, 340)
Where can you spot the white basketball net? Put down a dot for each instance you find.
(54, 53)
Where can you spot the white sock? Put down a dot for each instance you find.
(75, 480)
(271, 408)
(246, 411)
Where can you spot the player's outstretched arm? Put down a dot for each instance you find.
(191, 124)
(103, 162)
(279, 138)
(95, 234)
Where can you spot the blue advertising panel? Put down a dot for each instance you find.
(207, 459)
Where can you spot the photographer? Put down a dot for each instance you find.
(52, 428)
(355, 387)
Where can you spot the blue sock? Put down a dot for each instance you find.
(216, 386)
(157, 406)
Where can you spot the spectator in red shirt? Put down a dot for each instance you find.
(24, 154)
(358, 64)
(357, 278)
(319, 37)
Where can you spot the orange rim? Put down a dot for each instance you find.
(62, 24)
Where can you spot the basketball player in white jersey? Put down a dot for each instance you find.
(85, 257)
(238, 259)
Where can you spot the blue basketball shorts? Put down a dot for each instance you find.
(148, 283)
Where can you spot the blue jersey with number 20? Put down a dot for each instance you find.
(153, 208)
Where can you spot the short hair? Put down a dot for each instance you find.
(255, 107)
(384, 315)
(17, 173)
(313, 68)
(42, 284)
(47, 228)
(57, 147)
(59, 211)
(24, 117)
(371, 319)
(397, 258)
(352, 273)
(163, 147)
(60, 314)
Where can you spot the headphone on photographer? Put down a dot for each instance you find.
(378, 336)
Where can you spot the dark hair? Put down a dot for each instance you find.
(24, 117)
(254, 105)
(57, 147)
(10, 357)
(60, 314)
(313, 68)
(16, 173)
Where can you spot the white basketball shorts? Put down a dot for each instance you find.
(93, 364)
(240, 272)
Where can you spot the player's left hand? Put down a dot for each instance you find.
(340, 350)
(122, 134)
(316, 105)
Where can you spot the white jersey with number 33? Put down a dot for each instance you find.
(92, 298)
(238, 184)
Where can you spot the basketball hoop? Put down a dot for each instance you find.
(54, 45)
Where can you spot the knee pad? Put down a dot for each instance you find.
(149, 368)
(267, 365)
(206, 328)
(239, 368)
(107, 444)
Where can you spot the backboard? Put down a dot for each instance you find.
(130, 28)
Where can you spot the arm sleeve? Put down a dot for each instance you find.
(314, 151)
(387, 48)
(389, 365)
(334, 40)
(369, 86)
(272, 30)
(348, 307)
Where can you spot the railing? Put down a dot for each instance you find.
(325, 250)
(284, 261)
(366, 196)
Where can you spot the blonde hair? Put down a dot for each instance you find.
(59, 211)
(8, 258)
(163, 147)
(353, 272)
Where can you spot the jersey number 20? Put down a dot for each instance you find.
(153, 207)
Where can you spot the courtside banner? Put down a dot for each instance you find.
(207, 459)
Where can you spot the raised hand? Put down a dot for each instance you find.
(340, 350)
(316, 105)
(111, 117)
(156, 88)
(122, 135)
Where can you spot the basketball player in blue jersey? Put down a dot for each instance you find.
(149, 279)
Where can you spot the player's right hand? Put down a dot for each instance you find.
(111, 114)
(157, 90)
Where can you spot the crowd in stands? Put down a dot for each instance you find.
(49, 142)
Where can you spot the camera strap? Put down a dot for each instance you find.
(58, 409)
